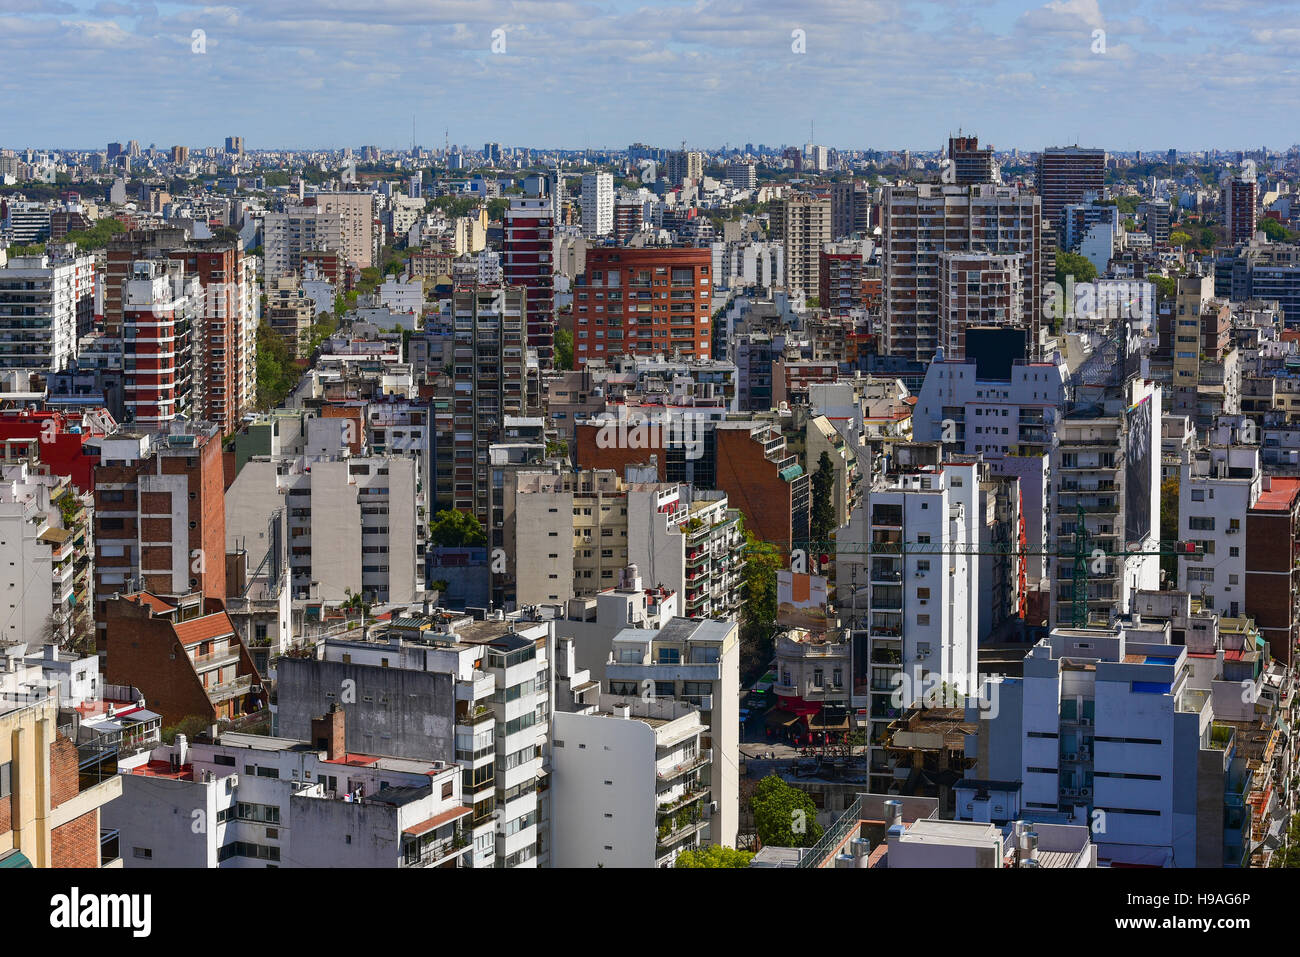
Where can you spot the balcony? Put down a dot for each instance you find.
(234, 688)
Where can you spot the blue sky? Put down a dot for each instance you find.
(876, 73)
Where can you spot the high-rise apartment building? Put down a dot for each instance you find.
(1068, 174)
(528, 261)
(684, 166)
(802, 222)
(1238, 198)
(234, 146)
(742, 174)
(161, 312)
(979, 289)
(160, 515)
(597, 204)
(356, 211)
(969, 163)
(289, 235)
(914, 590)
(921, 224)
(643, 302)
(46, 304)
(488, 381)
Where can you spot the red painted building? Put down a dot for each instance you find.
(644, 302)
(57, 440)
(528, 256)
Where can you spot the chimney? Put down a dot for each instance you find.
(622, 711)
(327, 733)
(182, 750)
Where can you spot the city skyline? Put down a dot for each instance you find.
(713, 73)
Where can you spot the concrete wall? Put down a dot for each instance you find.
(410, 714)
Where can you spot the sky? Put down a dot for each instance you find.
(854, 74)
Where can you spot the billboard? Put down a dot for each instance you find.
(800, 601)
(1137, 472)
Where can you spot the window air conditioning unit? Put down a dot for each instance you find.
(1071, 756)
(1085, 792)
(1086, 722)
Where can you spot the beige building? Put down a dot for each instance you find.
(290, 312)
(49, 809)
(357, 211)
(570, 533)
(802, 222)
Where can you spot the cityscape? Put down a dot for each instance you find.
(506, 506)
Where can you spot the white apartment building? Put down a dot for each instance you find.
(1216, 487)
(38, 561)
(1104, 729)
(298, 229)
(698, 662)
(46, 304)
(352, 522)
(689, 542)
(258, 801)
(629, 785)
(913, 590)
(597, 204)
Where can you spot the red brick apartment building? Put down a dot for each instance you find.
(643, 302)
(160, 513)
(1273, 565)
(528, 261)
(183, 654)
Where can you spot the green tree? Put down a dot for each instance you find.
(1274, 230)
(191, 726)
(784, 816)
(497, 208)
(276, 373)
(715, 855)
(1169, 524)
(758, 611)
(823, 499)
(452, 528)
(1072, 264)
(1165, 286)
(1179, 238)
(563, 349)
(1288, 855)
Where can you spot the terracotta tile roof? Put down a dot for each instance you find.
(152, 600)
(205, 628)
(1279, 497)
(437, 820)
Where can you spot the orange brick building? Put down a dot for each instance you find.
(643, 302)
(184, 655)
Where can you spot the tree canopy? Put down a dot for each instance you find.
(715, 855)
(823, 499)
(784, 816)
(452, 528)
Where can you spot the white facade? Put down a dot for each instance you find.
(1216, 488)
(914, 589)
(34, 289)
(255, 801)
(352, 522)
(698, 662)
(597, 204)
(628, 788)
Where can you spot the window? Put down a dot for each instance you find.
(6, 779)
(142, 853)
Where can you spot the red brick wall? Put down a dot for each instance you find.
(76, 844)
(63, 771)
(139, 653)
(6, 815)
(754, 486)
(591, 456)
